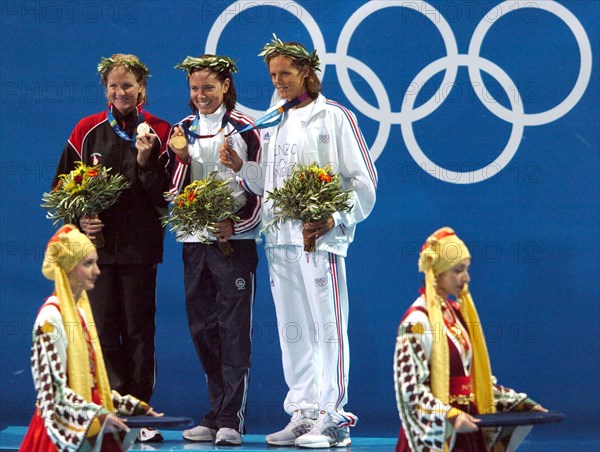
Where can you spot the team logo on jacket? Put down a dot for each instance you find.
(324, 138)
(320, 282)
(96, 158)
(272, 282)
(240, 283)
(266, 136)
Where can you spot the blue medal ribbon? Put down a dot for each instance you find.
(190, 132)
(119, 130)
(273, 117)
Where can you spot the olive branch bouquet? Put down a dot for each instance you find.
(201, 205)
(310, 194)
(85, 191)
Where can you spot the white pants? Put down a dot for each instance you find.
(311, 302)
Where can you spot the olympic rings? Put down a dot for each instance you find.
(475, 63)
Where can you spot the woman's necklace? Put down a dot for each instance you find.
(453, 325)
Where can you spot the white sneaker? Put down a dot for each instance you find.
(298, 426)
(228, 437)
(149, 435)
(199, 433)
(325, 433)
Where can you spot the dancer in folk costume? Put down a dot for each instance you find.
(442, 370)
(74, 398)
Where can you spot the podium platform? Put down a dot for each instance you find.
(549, 440)
(11, 437)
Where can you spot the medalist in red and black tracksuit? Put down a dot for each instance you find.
(124, 298)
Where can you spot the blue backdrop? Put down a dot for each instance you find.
(482, 115)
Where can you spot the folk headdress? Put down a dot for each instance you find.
(64, 251)
(442, 251)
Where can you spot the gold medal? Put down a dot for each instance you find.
(179, 142)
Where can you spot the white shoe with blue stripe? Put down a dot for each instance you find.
(325, 433)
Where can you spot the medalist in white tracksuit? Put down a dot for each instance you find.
(309, 289)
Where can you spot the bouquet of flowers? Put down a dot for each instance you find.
(85, 191)
(201, 205)
(310, 194)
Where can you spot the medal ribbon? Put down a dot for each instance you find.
(191, 134)
(119, 130)
(268, 121)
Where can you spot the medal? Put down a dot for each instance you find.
(143, 128)
(179, 142)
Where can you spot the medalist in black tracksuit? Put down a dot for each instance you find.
(220, 289)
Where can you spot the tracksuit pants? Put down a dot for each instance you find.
(123, 302)
(311, 302)
(219, 293)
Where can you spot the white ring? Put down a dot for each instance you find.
(585, 68)
(381, 95)
(215, 33)
(387, 115)
(467, 177)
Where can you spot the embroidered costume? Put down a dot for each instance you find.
(63, 418)
(441, 365)
(72, 389)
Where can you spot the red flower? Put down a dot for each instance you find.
(325, 178)
(78, 179)
(92, 173)
(191, 196)
(180, 203)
